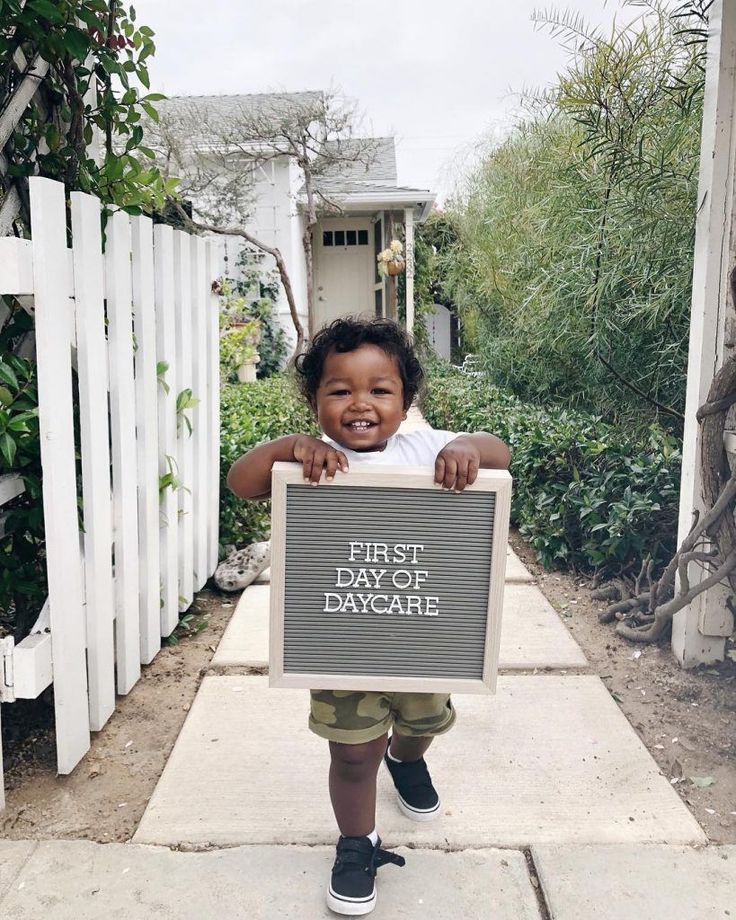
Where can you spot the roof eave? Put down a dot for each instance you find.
(420, 199)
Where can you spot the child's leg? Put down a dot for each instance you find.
(353, 771)
(409, 747)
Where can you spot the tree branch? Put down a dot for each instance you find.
(271, 250)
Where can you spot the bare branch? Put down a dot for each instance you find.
(272, 251)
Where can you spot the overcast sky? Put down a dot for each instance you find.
(437, 75)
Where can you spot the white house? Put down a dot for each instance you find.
(371, 206)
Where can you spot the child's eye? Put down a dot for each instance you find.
(380, 390)
(339, 392)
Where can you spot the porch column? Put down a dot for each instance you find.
(391, 306)
(699, 631)
(409, 241)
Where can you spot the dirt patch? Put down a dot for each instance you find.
(686, 719)
(104, 798)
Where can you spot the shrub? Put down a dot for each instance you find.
(585, 494)
(572, 268)
(252, 413)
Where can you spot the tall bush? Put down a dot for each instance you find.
(585, 494)
(252, 413)
(573, 263)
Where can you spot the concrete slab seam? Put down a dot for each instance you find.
(188, 847)
(14, 879)
(544, 912)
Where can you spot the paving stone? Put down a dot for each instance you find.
(79, 880)
(532, 634)
(245, 641)
(632, 882)
(549, 759)
(515, 568)
(13, 855)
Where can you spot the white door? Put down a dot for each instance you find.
(344, 269)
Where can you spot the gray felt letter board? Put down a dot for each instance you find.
(384, 581)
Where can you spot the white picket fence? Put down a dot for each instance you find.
(117, 586)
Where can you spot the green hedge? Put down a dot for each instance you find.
(584, 493)
(252, 413)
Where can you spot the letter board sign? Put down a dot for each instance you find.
(382, 580)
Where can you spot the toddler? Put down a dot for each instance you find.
(360, 378)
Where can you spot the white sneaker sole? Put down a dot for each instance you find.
(417, 814)
(348, 907)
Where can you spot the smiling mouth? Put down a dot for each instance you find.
(360, 425)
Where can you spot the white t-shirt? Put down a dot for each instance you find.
(415, 448)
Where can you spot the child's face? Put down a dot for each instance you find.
(360, 399)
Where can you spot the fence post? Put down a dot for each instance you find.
(185, 447)
(164, 291)
(200, 413)
(94, 447)
(213, 271)
(144, 319)
(52, 286)
(124, 465)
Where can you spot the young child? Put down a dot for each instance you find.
(360, 378)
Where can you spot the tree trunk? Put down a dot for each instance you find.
(309, 264)
(308, 235)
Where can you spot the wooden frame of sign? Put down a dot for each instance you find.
(414, 572)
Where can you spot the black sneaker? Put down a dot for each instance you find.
(416, 796)
(352, 888)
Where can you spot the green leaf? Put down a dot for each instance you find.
(702, 781)
(8, 375)
(150, 111)
(88, 16)
(6, 397)
(19, 425)
(8, 448)
(77, 42)
(46, 9)
(53, 139)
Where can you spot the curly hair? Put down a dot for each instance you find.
(349, 333)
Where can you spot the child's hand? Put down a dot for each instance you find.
(315, 456)
(457, 464)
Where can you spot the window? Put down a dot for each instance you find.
(345, 238)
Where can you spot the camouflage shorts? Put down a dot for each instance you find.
(351, 717)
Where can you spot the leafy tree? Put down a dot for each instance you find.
(216, 159)
(573, 265)
(83, 126)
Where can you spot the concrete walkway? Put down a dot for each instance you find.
(552, 807)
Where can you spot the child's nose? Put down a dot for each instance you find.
(361, 401)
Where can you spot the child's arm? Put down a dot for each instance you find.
(250, 475)
(458, 462)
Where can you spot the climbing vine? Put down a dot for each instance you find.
(85, 63)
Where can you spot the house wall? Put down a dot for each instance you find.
(276, 222)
